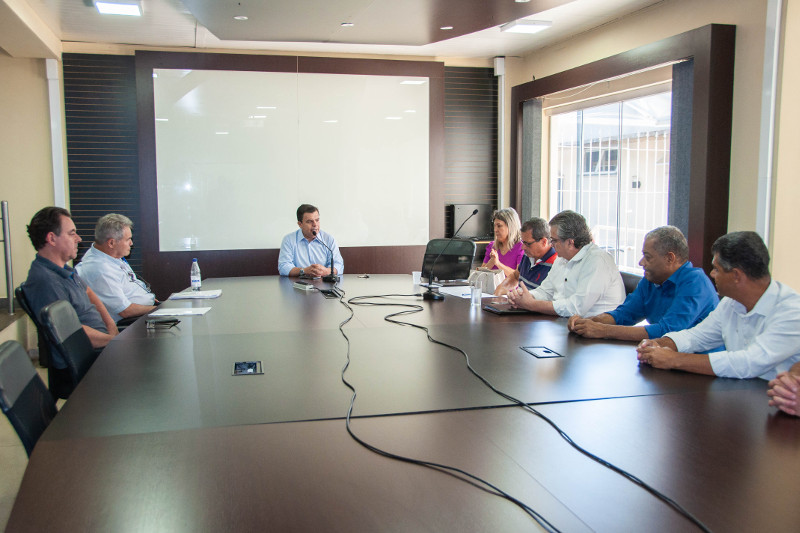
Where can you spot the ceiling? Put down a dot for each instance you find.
(394, 27)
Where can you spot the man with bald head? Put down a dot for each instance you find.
(673, 295)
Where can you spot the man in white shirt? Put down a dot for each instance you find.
(305, 252)
(106, 271)
(757, 320)
(583, 280)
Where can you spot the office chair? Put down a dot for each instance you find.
(455, 261)
(68, 338)
(630, 281)
(24, 398)
(44, 346)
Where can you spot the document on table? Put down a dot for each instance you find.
(461, 292)
(196, 295)
(180, 311)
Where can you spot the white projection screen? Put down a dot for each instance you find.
(238, 151)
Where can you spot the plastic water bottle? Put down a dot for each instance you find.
(195, 276)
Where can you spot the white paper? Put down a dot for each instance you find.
(194, 295)
(461, 292)
(180, 311)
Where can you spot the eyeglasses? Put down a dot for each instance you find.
(531, 243)
(136, 279)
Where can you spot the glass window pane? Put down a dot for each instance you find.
(611, 164)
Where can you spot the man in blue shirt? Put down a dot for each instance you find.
(672, 296)
(305, 252)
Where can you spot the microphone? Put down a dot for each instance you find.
(331, 278)
(429, 295)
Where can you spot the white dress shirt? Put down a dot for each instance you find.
(760, 343)
(586, 285)
(113, 281)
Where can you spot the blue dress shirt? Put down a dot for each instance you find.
(296, 251)
(682, 301)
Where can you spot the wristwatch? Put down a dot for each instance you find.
(302, 272)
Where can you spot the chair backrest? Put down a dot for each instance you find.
(631, 281)
(454, 262)
(44, 345)
(24, 398)
(67, 335)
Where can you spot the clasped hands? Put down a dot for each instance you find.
(316, 271)
(783, 391)
(650, 352)
(519, 296)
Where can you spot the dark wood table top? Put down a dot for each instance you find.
(724, 455)
(160, 436)
(181, 378)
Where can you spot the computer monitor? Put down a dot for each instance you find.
(478, 228)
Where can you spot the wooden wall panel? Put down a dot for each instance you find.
(470, 121)
(102, 153)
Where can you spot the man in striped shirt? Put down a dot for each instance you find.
(539, 257)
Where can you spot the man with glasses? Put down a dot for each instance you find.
(107, 272)
(537, 261)
(584, 279)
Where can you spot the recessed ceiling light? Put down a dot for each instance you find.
(412, 82)
(394, 118)
(240, 17)
(526, 26)
(257, 116)
(347, 24)
(222, 132)
(130, 8)
(522, 1)
(446, 28)
(162, 120)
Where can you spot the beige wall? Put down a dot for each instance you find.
(26, 171)
(663, 20)
(786, 190)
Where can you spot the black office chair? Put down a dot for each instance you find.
(44, 346)
(454, 258)
(630, 281)
(24, 398)
(70, 341)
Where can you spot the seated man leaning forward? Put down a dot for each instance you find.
(305, 251)
(673, 295)
(53, 234)
(537, 261)
(584, 279)
(108, 273)
(757, 320)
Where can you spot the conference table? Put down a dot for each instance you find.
(160, 436)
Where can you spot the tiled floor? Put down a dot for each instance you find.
(13, 461)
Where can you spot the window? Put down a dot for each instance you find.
(611, 164)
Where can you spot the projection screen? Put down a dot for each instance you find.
(238, 151)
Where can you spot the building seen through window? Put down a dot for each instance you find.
(611, 164)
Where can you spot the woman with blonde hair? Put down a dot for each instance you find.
(505, 251)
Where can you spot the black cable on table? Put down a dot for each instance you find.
(415, 308)
(450, 470)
